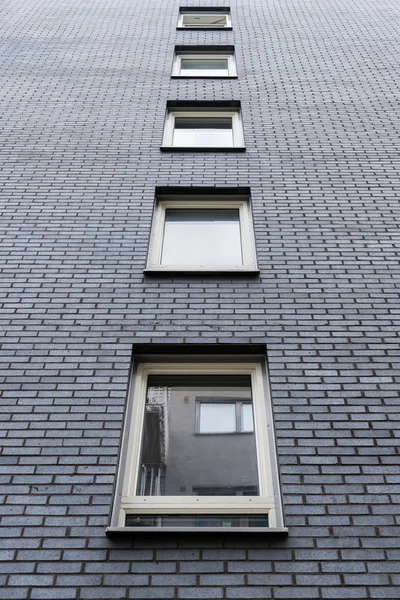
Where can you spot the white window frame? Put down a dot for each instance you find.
(229, 56)
(220, 202)
(172, 114)
(226, 14)
(127, 502)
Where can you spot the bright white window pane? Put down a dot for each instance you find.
(199, 237)
(217, 418)
(204, 72)
(193, 20)
(203, 132)
(204, 66)
(247, 417)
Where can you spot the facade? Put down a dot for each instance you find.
(112, 134)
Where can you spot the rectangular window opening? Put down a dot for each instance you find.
(197, 233)
(208, 63)
(198, 449)
(197, 128)
(204, 18)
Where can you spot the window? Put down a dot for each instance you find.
(203, 126)
(204, 18)
(206, 61)
(178, 469)
(202, 232)
(224, 415)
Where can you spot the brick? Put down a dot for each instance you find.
(15, 593)
(125, 580)
(296, 592)
(250, 566)
(223, 554)
(219, 579)
(177, 555)
(178, 580)
(154, 567)
(385, 592)
(204, 566)
(248, 592)
(30, 580)
(79, 580)
(269, 579)
(345, 592)
(105, 593)
(206, 592)
(155, 593)
(53, 593)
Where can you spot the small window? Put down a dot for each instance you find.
(212, 63)
(204, 18)
(222, 415)
(203, 128)
(179, 468)
(195, 233)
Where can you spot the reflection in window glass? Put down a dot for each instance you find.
(200, 237)
(175, 461)
(204, 20)
(217, 418)
(225, 417)
(247, 418)
(203, 132)
(204, 66)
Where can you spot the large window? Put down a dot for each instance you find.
(207, 61)
(198, 447)
(199, 232)
(204, 18)
(203, 125)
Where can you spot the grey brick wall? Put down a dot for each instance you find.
(84, 90)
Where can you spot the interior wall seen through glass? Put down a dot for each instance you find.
(206, 66)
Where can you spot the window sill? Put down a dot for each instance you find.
(194, 28)
(197, 271)
(125, 531)
(203, 149)
(204, 76)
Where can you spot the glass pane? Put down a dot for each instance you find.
(248, 490)
(204, 66)
(196, 520)
(247, 417)
(202, 238)
(175, 459)
(217, 418)
(200, 132)
(193, 20)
